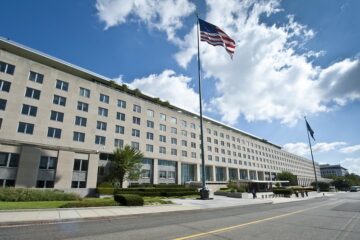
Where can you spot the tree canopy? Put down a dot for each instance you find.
(287, 176)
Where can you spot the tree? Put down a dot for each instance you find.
(287, 176)
(341, 183)
(125, 164)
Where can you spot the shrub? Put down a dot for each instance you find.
(28, 195)
(129, 199)
(323, 186)
(105, 185)
(162, 191)
(284, 191)
(105, 191)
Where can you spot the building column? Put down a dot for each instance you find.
(247, 174)
(256, 175)
(214, 173)
(227, 177)
(92, 171)
(64, 169)
(155, 173)
(198, 172)
(178, 174)
(27, 171)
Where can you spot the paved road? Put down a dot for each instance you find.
(337, 217)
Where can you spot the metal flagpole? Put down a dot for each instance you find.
(204, 192)
(312, 157)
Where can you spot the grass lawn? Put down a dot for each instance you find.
(156, 201)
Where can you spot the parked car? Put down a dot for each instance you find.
(355, 189)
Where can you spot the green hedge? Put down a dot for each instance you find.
(28, 195)
(152, 192)
(129, 199)
(88, 204)
(149, 185)
(105, 185)
(284, 191)
(105, 191)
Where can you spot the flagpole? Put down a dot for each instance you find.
(312, 157)
(204, 192)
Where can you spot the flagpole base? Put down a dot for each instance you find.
(204, 194)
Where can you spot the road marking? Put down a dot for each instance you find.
(247, 224)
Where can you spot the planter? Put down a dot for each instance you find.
(220, 193)
(234, 194)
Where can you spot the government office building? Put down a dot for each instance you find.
(59, 124)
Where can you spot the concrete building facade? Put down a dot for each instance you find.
(59, 123)
(328, 171)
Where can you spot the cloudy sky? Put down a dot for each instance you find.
(293, 58)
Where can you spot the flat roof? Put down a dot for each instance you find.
(32, 54)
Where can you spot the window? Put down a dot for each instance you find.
(145, 173)
(136, 108)
(183, 143)
(193, 145)
(102, 112)
(32, 93)
(2, 104)
(216, 141)
(162, 128)
(162, 150)
(7, 68)
(215, 133)
(101, 125)
(27, 128)
(135, 132)
(173, 141)
(1, 120)
(149, 148)
(7, 183)
(9, 160)
(84, 92)
(62, 85)
(81, 165)
(48, 162)
(173, 120)
(193, 154)
(162, 117)
(120, 116)
(36, 77)
(149, 136)
(29, 110)
(173, 151)
(150, 124)
(184, 133)
(104, 98)
(78, 184)
(45, 184)
(184, 153)
(54, 132)
(192, 125)
(119, 143)
(136, 120)
(150, 113)
(121, 103)
(5, 86)
(193, 135)
(208, 139)
(59, 100)
(173, 130)
(79, 137)
(57, 116)
(80, 121)
(83, 106)
(100, 140)
(210, 157)
(162, 138)
(135, 145)
(162, 174)
(119, 129)
(183, 123)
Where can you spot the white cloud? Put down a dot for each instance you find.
(171, 87)
(268, 79)
(350, 149)
(352, 164)
(303, 148)
(163, 15)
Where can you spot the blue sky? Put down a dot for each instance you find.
(293, 58)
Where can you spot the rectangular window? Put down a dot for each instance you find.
(150, 124)
(84, 92)
(100, 140)
(80, 121)
(3, 104)
(162, 128)
(150, 113)
(118, 143)
(57, 116)
(183, 123)
(162, 174)
(62, 85)
(104, 98)
(9, 160)
(1, 121)
(136, 120)
(173, 141)
(135, 145)
(45, 184)
(78, 184)
(174, 152)
(184, 133)
(36, 77)
(184, 143)
(120, 116)
(173, 120)
(54, 132)
(193, 135)
(119, 129)
(149, 148)
(193, 145)
(136, 108)
(192, 125)
(193, 154)
(145, 173)
(7, 68)
(59, 100)
(162, 117)
(27, 128)
(149, 136)
(81, 165)
(32, 93)
(184, 153)
(79, 137)
(121, 103)
(5, 86)
(102, 112)
(162, 150)
(162, 138)
(83, 106)
(173, 130)
(48, 162)
(135, 133)
(101, 125)
(29, 110)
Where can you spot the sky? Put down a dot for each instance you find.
(292, 59)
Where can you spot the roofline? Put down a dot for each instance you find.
(32, 54)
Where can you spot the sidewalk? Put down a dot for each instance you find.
(75, 214)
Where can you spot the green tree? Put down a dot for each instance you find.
(125, 164)
(287, 176)
(341, 183)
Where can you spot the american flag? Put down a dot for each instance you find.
(215, 36)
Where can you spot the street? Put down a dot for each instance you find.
(336, 217)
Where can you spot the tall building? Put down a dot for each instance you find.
(328, 171)
(60, 122)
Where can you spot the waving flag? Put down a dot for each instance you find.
(215, 36)
(310, 130)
